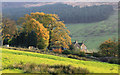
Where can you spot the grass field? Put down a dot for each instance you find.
(11, 57)
(95, 33)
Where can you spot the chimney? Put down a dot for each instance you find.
(76, 41)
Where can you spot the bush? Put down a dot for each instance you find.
(57, 50)
(114, 61)
(66, 52)
(77, 57)
(81, 54)
(78, 53)
(103, 59)
(71, 47)
(13, 42)
(96, 54)
(49, 69)
(5, 41)
(73, 56)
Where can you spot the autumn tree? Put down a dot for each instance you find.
(59, 34)
(9, 29)
(109, 48)
(31, 24)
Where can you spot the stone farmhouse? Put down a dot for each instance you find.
(80, 46)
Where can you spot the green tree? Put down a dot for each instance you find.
(24, 39)
(32, 39)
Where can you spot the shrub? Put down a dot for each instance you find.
(78, 53)
(75, 52)
(66, 52)
(82, 54)
(71, 47)
(96, 54)
(77, 57)
(73, 56)
(57, 50)
(114, 61)
(103, 59)
(44, 68)
(5, 41)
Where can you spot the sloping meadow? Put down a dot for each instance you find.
(11, 59)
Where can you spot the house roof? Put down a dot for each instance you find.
(78, 43)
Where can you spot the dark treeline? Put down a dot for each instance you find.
(67, 13)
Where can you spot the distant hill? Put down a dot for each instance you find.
(94, 34)
(83, 4)
(67, 13)
(24, 4)
(37, 4)
(13, 4)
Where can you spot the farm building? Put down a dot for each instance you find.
(80, 46)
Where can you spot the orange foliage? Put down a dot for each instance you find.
(109, 47)
(58, 50)
(42, 33)
(9, 28)
(44, 23)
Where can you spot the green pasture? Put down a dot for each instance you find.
(11, 57)
(94, 34)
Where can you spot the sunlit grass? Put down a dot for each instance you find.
(11, 57)
(12, 71)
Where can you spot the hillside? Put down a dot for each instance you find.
(93, 27)
(67, 13)
(12, 57)
(37, 4)
(95, 33)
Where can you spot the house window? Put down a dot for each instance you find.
(81, 47)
